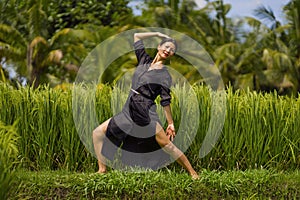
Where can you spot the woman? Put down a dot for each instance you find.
(137, 129)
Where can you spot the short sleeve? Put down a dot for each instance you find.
(140, 52)
(165, 91)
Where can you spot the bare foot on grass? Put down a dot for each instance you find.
(101, 171)
(195, 176)
(101, 167)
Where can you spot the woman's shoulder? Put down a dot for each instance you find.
(138, 44)
(140, 52)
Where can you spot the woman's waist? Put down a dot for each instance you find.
(145, 95)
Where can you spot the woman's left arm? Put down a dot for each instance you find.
(170, 129)
(141, 36)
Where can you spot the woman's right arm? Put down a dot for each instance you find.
(141, 36)
(170, 131)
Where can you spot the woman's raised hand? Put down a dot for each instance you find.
(161, 35)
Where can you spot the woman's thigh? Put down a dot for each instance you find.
(102, 128)
(160, 136)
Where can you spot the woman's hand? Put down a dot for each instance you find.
(170, 131)
(161, 35)
(141, 36)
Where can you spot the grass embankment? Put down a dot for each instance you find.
(163, 184)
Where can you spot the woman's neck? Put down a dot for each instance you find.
(157, 60)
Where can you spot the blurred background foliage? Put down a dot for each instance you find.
(45, 41)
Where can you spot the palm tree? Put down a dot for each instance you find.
(278, 51)
(214, 31)
(292, 13)
(41, 59)
(37, 56)
(168, 14)
(265, 59)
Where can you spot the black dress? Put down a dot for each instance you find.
(133, 129)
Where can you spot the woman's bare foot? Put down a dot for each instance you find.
(195, 176)
(102, 168)
(102, 171)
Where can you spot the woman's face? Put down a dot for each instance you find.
(166, 50)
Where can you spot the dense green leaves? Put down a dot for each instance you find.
(265, 56)
(8, 155)
(48, 40)
(73, 13)
(260, 130)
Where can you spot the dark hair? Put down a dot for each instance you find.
(169, 40)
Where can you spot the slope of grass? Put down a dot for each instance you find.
(163, 184)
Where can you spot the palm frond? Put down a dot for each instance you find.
(10, 52)
(57, 36)
(71, 35)
(268, 15)
(36, 41)
(37, 20)
(12, 36)
(252, 22)
(276, 60)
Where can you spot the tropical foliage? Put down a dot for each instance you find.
(42, 47)
(45, 41)
(8, 155)
(55, 127)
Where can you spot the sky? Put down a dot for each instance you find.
(241, 8)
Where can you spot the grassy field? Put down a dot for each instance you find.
(163, 184)
(260, 130)
(256, 156)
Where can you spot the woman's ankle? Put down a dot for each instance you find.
(102, 167)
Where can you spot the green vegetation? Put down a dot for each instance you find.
(259, 130)
(163, 184)
(45, 41)
(8, 156)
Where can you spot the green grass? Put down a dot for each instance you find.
(163, 184)
(8, 156)
(260, 130)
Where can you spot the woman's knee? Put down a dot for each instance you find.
(162, 141)
(161, 137)
(101, 129)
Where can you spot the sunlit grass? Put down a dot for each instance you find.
(260, 130)
(8, 156)
(162, 184)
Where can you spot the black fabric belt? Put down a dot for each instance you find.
(136, 92)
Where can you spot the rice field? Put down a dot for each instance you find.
(50, 129)
(259, 131)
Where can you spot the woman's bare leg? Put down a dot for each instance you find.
(98, 137)
(163, 140)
